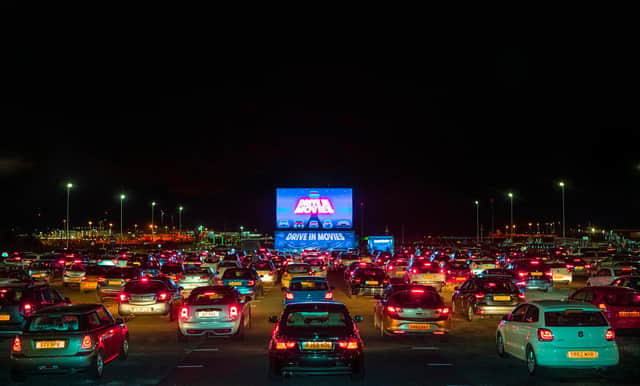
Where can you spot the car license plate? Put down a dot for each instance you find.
(461, 278)
(36, 275)
(43, 344)
(141, 309)
(317, 345)
(114, 282)
(414, 326)
(208, 314)
(371, 282)
(625, 314)
(536, 273)
(429, 277)
(501, 298)
(579, 268)
(5, 317)
(582, 354)
(235, 283)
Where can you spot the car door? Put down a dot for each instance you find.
(528, 329)
(468, 296)
(511, 342)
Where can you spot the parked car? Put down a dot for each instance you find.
(425, 272)
(68, 338)
(214, 311)
(93, 275)
(115, 280)
(307, 289)
(266, 270)
(245, 280)
(532, 274)
(561, 273)
(486, 296)
(556, 333)
(605, 276)
(196, 276)
(620, 305)
(292, 270)
(368, 280)
(150, 296)
(629, 281)
(412, 311)
(41, 270)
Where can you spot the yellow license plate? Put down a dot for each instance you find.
(235, 283)
(5, 317)
(502, 298)
(90, 284)
(625, 314)
(317, 345)
(114, 282)
(461, 278)
(50, 344)
(582, 354)
(579, 268)
(371, 282)
(428, 277)
(419, 326)
(536, 273)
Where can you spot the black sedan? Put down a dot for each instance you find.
(316, 338)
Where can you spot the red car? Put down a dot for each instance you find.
(620, 305)
(457, 272)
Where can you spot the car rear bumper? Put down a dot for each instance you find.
(188, 286)
(538, 284)
(53, 364)
(71, 279)
(316, 364)
(557, 357)
(208, 328)
(86, 286)
(494, 310)
(147, 309)
(406, 327)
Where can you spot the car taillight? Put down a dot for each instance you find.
(587, 266)
(349, 344)
(101, 280)
(569, 266)
(328, 295)
(17, 344)
(123, 297)
(521, 295)
(479, 295)
(521, 283)
(251, 282)
(443, 311)
(83, 278)
(550, 274)
(233, 312)
(87, 342)
(60, 261)
(282, 344)
(163, 296)
(393, 310)
(602, 307)
(220, 282)
(204, 277)
(357, 280)
(288, 295)
(545, 335)
(184, 313)
(390, 268)
(610, 334)
(522, 274)
(26, 309)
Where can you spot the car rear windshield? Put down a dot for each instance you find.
(76, 268)
(431, 268)
(209, 298)
(535, 265)
(625, 299)
(144, 287)
(496, 286)
(171, 268)
(308, 285)
(311, 319)
(370, 272)
(622, 271)
(196, 270)
(10, 296)
(237, 274)
(262, 266)
(458, 265)
(298, 268)
(94, 270)
(122, 273)
(574, 318)
(314, 261)
(415, 299)
(56, 323)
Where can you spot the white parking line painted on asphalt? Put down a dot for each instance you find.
(425, 348)
(206, 349)
(439, 364)
(188, 366)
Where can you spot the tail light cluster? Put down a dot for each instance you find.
(163, 296)
(27, 309)
(233, 312)
(288, 296)
(545, 335)
(348, 344)
(610, 334)
(17, 344)
(87, 343)
(328, 295)
(184, 313)
(393, 311)
(123, 298)
(251, 283)
(282, 344)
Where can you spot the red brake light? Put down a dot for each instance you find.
(328, 295)
(163, 296)
(534, 262)
(550, 274)
(587, 266)
(390, 268)
(427, 264)
(17, 344)
(610, 334)
(569, 266)
(479, 295)
(288, 296)
(87, 343)
(414, 270)
(60, 261)
(545, 335)
(27, 308)
(123, 297)
(350, 344)
(417, 291)
(393, 310)
(209, 293)
(251, 282)
(522, 295)
(145, 279)
(233, 312)
(522, 274)
(443, 311)
(284, 344)
(184, 313)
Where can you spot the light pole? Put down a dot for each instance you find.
(122, 197)
(511, 205)
(477, 221)
(563, 217)
(180, 219)
(153, 205)
(69, 186)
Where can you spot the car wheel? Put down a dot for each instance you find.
(240, 333)
(17, 376)
(274, 370)
(172, 314)
(500, 346)
(470, 313)
(124, 350)
(98, 366)
(357, 369)
(532, 364)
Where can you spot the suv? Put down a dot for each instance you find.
(19, 300)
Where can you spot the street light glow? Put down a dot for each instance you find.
(69, 185)
(122, 196)
(561, 184)
(510, 195)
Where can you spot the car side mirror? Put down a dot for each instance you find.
(119, 321)
(273, 319)
(358, 318)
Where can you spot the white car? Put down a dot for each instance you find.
(558, 333)
(604, 276)
(427, 273)
(560, 272)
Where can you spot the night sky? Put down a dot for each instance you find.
(418, 139)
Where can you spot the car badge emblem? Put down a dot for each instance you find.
(580, 334)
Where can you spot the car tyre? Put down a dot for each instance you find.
(532, 363)
(17, 376)
(357, 371)
(274, 372)
(124, 350)
(500, 346)
(240, 333)
(172, 314)
(97, 369)
(470, 313)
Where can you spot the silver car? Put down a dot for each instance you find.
(196, 276)
(214, 311)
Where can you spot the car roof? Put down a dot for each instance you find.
(303, 305)
(307, 278)
(69, 309)
(553, 304)
(612, 288)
